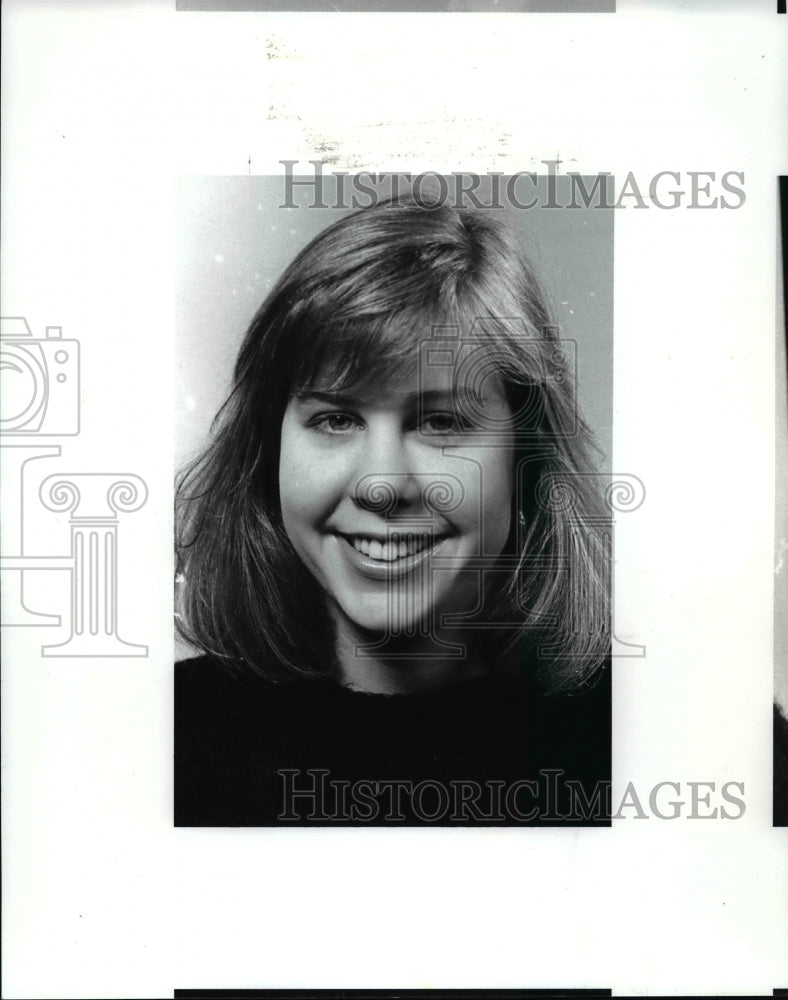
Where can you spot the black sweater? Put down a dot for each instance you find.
(486, 752)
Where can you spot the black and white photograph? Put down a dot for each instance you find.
(393, 490)
(394, 547)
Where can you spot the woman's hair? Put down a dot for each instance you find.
(355, 304)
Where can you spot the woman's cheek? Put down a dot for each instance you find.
(296, 474)
(312, 482)
(495, 502)
(487, 479)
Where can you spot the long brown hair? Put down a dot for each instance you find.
(358, 302)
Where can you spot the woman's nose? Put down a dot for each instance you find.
(385, 477)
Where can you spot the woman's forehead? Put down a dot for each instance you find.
(433, 373)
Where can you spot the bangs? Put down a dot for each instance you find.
(364, 300)
(378, 349)
(335, 355)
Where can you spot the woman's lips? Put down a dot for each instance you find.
(398, 555)
(396, 546)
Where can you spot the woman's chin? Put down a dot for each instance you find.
(373, 621)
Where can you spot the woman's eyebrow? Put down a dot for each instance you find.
(427, 396)
(316, 396)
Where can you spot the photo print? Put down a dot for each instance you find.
(394, 540)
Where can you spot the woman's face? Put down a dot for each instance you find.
(390, 492)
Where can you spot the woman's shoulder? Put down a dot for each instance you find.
(209, 684)
(199, 668)
(201, 673)
(213, 685)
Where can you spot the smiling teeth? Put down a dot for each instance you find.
(397, 547)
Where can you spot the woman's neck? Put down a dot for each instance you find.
(367, 662)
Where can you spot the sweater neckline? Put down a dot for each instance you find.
(469, 689)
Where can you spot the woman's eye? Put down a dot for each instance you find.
(334, 423)
(443, 423)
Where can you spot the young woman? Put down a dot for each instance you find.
(392, 554)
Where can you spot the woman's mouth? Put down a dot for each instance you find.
(394, 548)
(390, 558)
